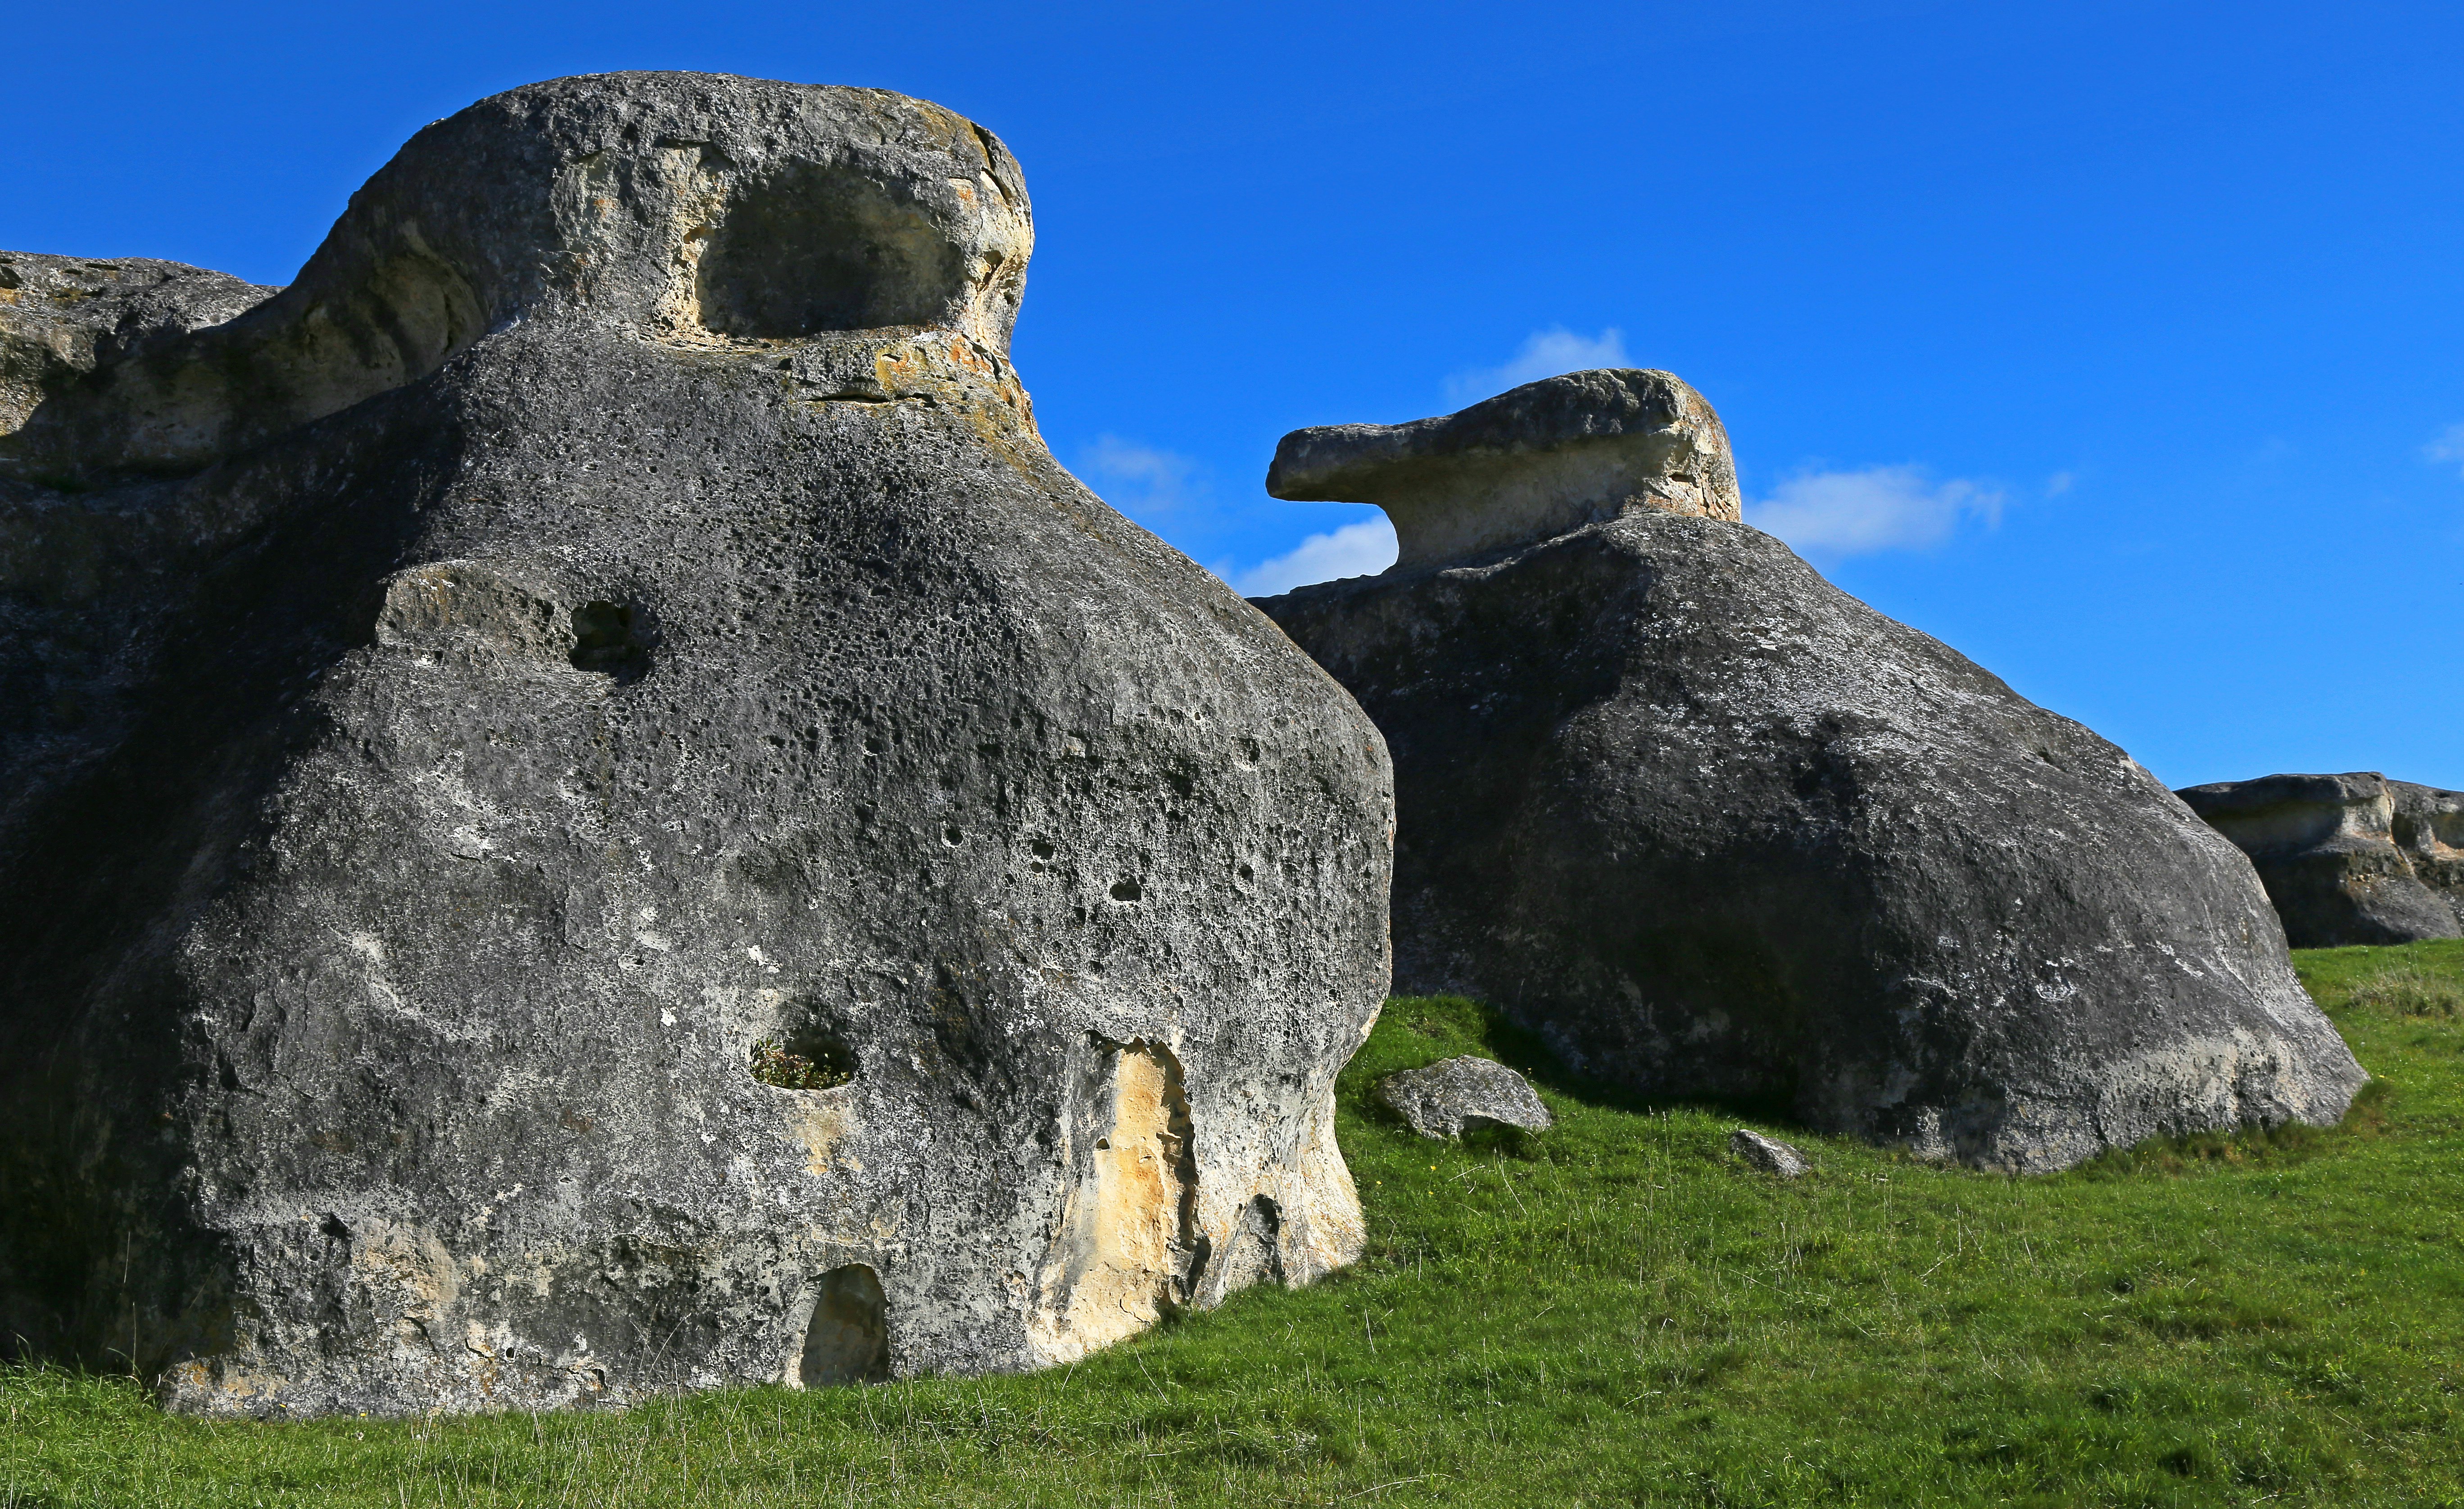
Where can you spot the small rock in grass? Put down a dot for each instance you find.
(1444, 1100)
(1770, 1155)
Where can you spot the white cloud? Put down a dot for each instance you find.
(1881, 508)
(1356, 550)
(1545, 353)
(1141, 479)
(2058, 484)
(2448, 447)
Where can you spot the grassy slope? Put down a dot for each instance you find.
(1613, 1313)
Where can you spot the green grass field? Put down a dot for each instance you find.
(1613, 1313)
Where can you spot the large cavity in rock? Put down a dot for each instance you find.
(588, 811)
(1715, 827)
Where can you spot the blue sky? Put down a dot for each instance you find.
(2115, 344)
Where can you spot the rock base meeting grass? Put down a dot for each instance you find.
(1615, 1312)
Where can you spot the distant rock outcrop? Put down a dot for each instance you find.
(2347, 859)
(1714, 826)
(586, 810)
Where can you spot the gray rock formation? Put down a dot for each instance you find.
(2347, 859)
(1768, 1154)
(62, 317)
(1528, 464)
(1443, 1101)
(588, 811)
(1712, 826)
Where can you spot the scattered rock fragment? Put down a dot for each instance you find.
(2347, 859)
(1444, 1100)
(1770, 1155)
(588, 812)
(1714, 827)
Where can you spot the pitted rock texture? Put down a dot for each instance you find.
(611, 626)
(2347, 859)
(1714, 827)
(1443, 1101)
(1525, 466)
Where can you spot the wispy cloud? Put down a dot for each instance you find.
(1881, 508)
(1140, 479)
(1356, 550)
(1545, 353)
(2448, 446)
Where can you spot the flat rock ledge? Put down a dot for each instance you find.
(1444, 1100)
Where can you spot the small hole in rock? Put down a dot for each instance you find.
(1125, 890)
(607, 638)
(812, 1059)
(1041, 848)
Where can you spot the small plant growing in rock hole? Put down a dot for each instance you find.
(774, 1064)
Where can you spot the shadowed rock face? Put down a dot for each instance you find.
(2347, 859)
(61, 316)
(1715, 827)
(608, 627)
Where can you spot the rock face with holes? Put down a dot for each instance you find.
(1712, 826)
(2347, 859)
(588, 811)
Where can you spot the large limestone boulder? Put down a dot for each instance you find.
(2347, 859)
(588, 811)
(1714, 826)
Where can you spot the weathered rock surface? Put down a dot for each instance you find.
(2347, 859)
(1531, 462)
(1768, 1154)
(609, 625)
(61, 316)
(1442, 1101)
(1714, 826)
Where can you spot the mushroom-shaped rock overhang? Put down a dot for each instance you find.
(589, 812)
(1714, 826)
(1528, 464)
